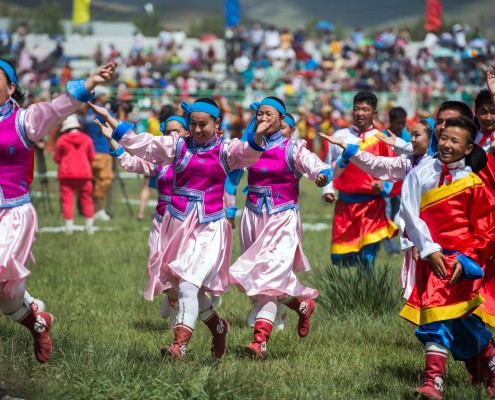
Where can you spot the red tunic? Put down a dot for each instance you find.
(357, 224)
(461, 218)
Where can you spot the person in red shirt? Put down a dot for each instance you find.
(74, 152)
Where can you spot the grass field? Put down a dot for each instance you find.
(107, 338)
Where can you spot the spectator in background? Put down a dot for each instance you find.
(102, 164)
(74, 153)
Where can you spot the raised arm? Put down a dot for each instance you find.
(40, 118)
(310, 165)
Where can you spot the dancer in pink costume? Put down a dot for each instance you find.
(19, 129)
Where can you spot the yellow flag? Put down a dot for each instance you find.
(80, 11)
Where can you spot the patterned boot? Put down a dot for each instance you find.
(436, 358)
(304, 308)
(262, 329)
(487, 356)
(39, 325)
(182, 335)
(218, 328)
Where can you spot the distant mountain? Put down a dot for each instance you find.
(291, 13)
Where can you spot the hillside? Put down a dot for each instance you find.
(287, 13)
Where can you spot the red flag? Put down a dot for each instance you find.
(433, 18)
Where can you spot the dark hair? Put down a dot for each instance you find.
(18, 94)
(166, 111)
(483, 97)
(211, 102)
(396, 113)
(459, 106)
(366, 97)
(463, 123)
(429, 129)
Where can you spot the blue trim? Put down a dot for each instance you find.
(117, 152)
(253, 144)
(289, 159)
(15, 201)
(355, 198)
(387, 188)
(328, 172)
(77, 90)
(20, 126)
(470, 268)
(230, 212)
(122, 128)
(350, 151)
(153, 182)
(341, 162)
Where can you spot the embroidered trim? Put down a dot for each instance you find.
(289, 158)
(20, 128)
(15, 201)
(265, 197)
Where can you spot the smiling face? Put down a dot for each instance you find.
(420, 139)
(266, 113)
(453, 144)
(486, 117)
(362, 115)
(202, 126)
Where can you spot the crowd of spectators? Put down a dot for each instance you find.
(312, 73)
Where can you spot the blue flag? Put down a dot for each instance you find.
(232, 13)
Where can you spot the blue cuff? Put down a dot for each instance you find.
(245, 190)
(253, 144)
(77, 90)
(470, 268)
(230, 212)
(153, 182)
(387, 188)
(350, 151)
(342, 163)
(122, 128)
(328, 173)
(117, 152)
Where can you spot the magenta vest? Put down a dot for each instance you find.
(15, 151)
(164, 180)
(199, 179)
(273, 179)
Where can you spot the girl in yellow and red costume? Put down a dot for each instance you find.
(449, 215)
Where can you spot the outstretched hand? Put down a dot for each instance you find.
(336, 141)
(490, 80)
(99, 110)
(100, 76)
(321, 180)
(106, 129)
(390, 140)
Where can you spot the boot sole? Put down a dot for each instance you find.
(249, 352)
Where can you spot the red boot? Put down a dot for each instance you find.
(182, 336)
(262, 330)
(218, 328)
(304, 308)
(478, 370)
(434, 374)
(487, 358)
(39, 325)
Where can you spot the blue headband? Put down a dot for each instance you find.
(290, 121)
(177, 118)
(201, 107)
(269, 102)
(4, 65)
(433, 147)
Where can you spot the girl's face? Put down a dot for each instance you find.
(453, 144)
(202, 126)
(286, 129)
(265, 113)
(486, 117)
(177, 127)
(6, 89)
(420, 139)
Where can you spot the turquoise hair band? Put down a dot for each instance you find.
(269, 102)
(290, 121)
(199, 106)
(10, 71)
(177, 118)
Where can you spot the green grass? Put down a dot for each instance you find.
(107, 338)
